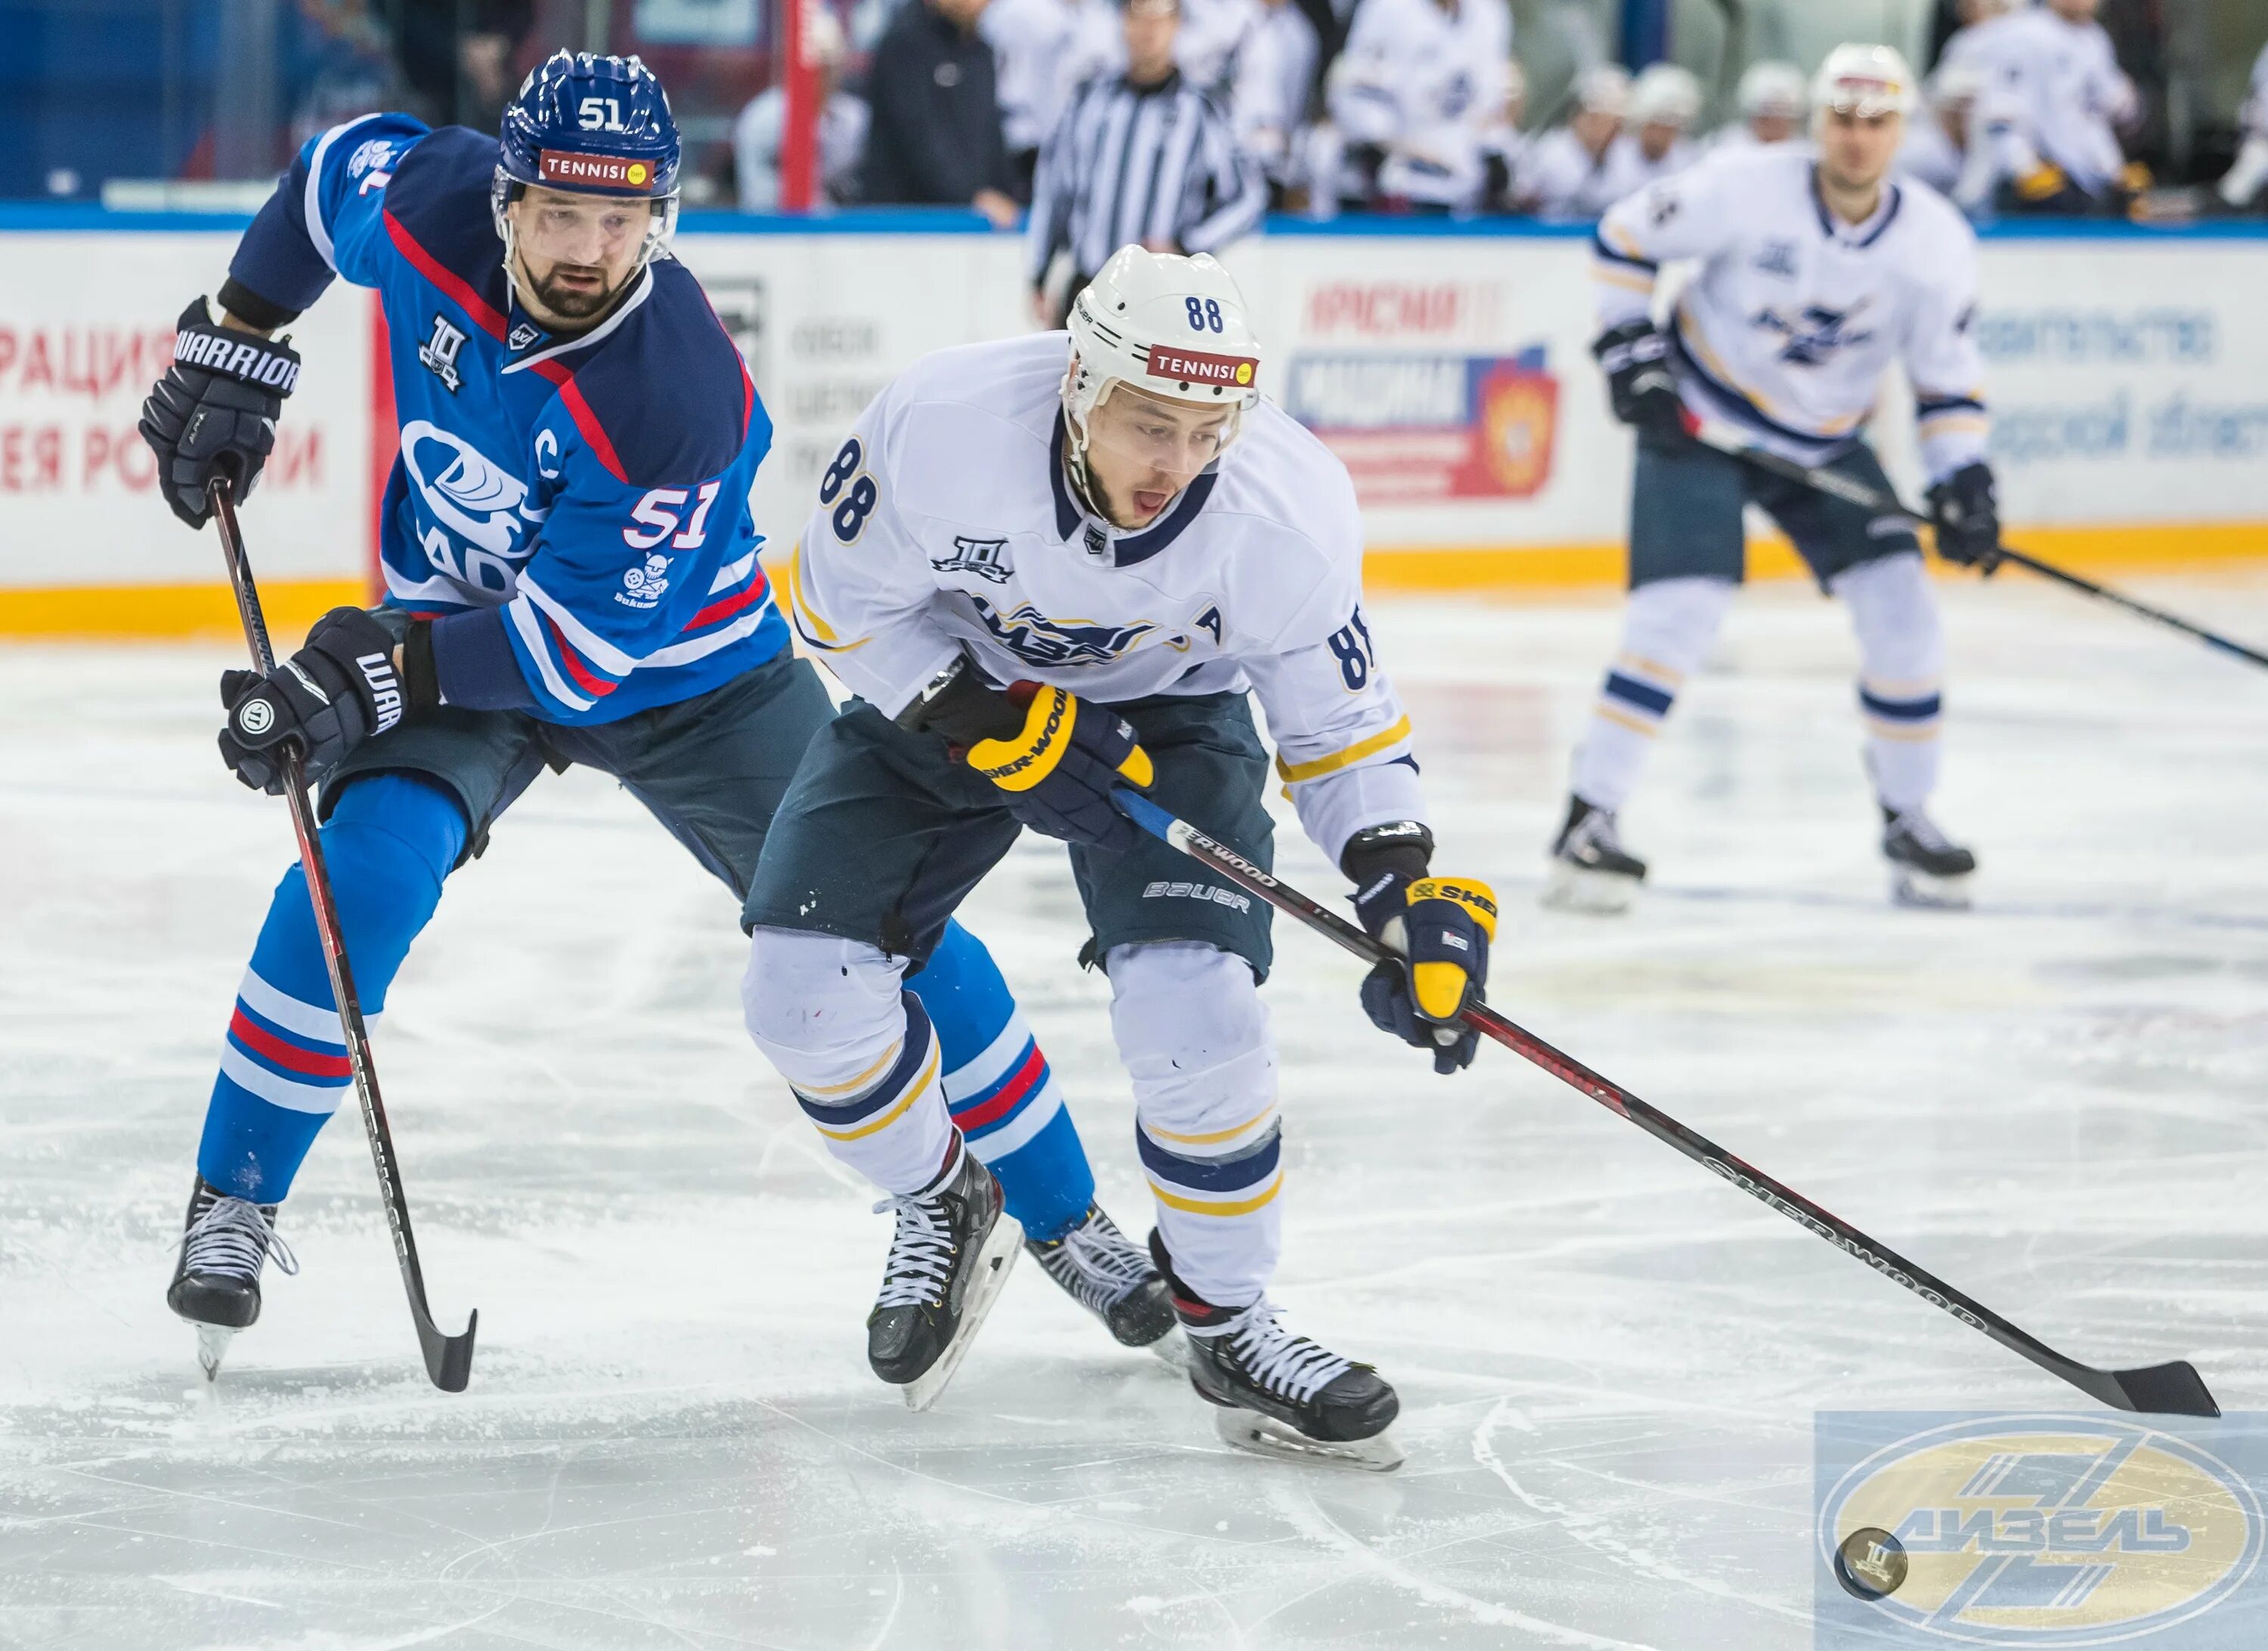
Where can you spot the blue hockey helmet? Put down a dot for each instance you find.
(585, 124)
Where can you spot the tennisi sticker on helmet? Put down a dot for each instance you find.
(1196, 366)
(592, 171)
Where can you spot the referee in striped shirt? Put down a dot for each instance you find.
(1139, 157)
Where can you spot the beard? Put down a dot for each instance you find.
(573, 303)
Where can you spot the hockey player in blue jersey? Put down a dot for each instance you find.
(571, 577)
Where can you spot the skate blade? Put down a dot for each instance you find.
(1002, 1245)
(212, 1348)
(1919, 891)
(1265, 1436)
(1597, 894)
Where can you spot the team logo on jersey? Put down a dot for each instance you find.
(1036, 639)
(463, 489)
(643, 587)
(1777, 258)
(1815, 335)
(987, 558)
(438, 353)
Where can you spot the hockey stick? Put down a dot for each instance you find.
(448, 1358)
(2170, 1389)
(1851, 491)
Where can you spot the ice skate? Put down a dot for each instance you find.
(1108, 1274)
(1280, 1395)
(948, 1258)
(1926, 870)
(1591, 871)
(226, 1241)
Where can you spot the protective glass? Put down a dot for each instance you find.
(590, 231)
(1156, 437)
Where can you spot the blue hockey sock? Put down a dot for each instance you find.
(283, 1069)
(1000, 1091)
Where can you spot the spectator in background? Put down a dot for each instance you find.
(1142, 156)
(1939, 149)
(2053, 99)
(1031, 42)
(2240, 186)
(935, 137)
(1665, 101)
(1414, 98)
(842, 121)
(1775, 100)
(457, 56)
(1578, 170)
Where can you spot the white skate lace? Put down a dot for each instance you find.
(921, 1253)
(1096, 1261)
(1595, 832)
(233, 1239)
(1288, 1364)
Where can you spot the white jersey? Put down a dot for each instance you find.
(1794, 315)
(1738, 137)
(1427, 84)
(1632, 171)
(2053, 93)
(2242, 180)
(1223, 49)
(946, 527)
(1560, 178)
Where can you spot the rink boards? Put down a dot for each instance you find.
(1447, 365)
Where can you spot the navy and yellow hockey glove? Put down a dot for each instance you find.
(1640, 383)
(325, 699)
(1440, 925)
(1056, 772)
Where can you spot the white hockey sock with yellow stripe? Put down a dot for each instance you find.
(1666, 631)
(1193, 1036)
(859, 1051)
(1901, 665)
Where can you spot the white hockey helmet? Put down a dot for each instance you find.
(1864, 80)
(1168, 325)
(1957, 86)
(1604, 89)
(1665, 95)
(1774, 89)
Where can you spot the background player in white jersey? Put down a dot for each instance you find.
(1580, 169)
(2240, 184)
(1815, 275)
(2053, 101)
(1774, 99)
(1050, 568)
(1420, 85)
(1665, 101)
(1940, 146)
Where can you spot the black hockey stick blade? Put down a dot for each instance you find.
(2163, 1389)
(2167, 1390)
(449, 1359)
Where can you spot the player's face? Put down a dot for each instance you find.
(1656, 138)
(1855, 151)
(1594, 128)
(1143, 450)
(577, 251)
(2075, 10)
(1150, 32)
(1773, 128)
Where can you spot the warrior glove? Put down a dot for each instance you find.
(1055, 756)
(1967, 523)
(326, 698)
(1639, 382)
(214, 413)
(1441, 927)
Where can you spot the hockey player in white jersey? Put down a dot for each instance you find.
(1050, 568)
(1578, 169)
(1421, 85)
(2054, 100)
(1814, 276)
(1665, 101)
(1774, 99)
(2240, 184)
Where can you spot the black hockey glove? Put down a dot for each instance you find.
(326, 698)
(1639, 382)
(214, 413)
(1055, 756)
(1442, 927)
(1968, 523)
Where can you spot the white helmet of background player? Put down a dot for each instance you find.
(1772, 90)
(1866, 81)
(1665, 95)
(1168, 325)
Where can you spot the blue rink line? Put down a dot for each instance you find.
(87, 216)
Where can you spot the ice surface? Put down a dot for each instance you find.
(1608, 1360)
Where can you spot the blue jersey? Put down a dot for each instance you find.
(574, 512)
